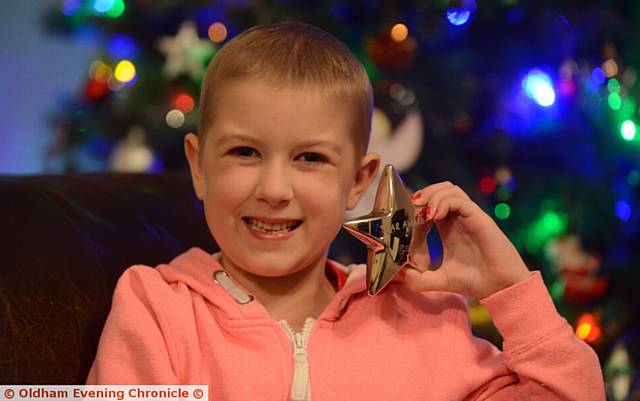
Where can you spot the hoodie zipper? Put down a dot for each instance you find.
(300, 384)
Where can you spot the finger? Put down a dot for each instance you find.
(421, 197)
(419, 256)
(440, 204)
(430, 280)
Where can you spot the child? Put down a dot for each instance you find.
(280, 155)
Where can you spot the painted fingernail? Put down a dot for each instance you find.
(415, 196)
(422, 214)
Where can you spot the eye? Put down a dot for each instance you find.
(243, 151)
(312, 158)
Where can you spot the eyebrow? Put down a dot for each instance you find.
(331, 145)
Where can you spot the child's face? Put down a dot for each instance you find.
(277, 154)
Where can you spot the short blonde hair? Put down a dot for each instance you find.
(292, 54)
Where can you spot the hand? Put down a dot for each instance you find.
(478, 258)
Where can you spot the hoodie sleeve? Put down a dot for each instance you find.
(542, 359)
(136, 345)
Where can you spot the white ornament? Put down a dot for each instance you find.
(132, 155)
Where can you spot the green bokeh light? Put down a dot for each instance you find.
(502, 211)
(614, 101)
(613, 85)
(117, 9)
(549, 225)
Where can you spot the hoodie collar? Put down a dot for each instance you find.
(203, 273)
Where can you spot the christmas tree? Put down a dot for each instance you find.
(530, 107)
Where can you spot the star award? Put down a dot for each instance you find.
(387, 230)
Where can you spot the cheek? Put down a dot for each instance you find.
(227, 188)
(323, 199)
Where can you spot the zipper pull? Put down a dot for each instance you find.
(301, 370)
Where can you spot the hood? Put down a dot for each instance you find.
(203, 274)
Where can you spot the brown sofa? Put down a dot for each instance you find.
(65, 241)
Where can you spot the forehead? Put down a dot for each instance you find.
(257, 108)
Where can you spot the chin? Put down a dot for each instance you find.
(274, 266)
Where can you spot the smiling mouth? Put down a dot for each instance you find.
(264, 227)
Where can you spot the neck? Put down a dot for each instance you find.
(294, 297)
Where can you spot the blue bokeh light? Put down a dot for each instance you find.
(623, 210)
(598, 76)
(102, 6)
(122, 47)
(458, 17)
(537, 85)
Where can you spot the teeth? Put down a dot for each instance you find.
(267, 227)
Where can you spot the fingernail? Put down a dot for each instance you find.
(415, 196)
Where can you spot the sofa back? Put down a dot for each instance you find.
(65, 240)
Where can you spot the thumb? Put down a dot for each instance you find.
(429, 280)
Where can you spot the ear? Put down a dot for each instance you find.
(192, 151)
(364, 177)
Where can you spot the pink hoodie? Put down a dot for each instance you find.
(176, 325)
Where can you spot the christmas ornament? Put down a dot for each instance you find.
(387, 230)
(619, 373)
(578, 269)
(186, 52)
(132, 154)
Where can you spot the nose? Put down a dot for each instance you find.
(274, 186)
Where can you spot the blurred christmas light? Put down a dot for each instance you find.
(629, 77)
(567, 87)
(633, 178)
(537, 85)
(122, 47)
(70, 7)
(102, 6)
(628, 130)
(100, 71)
(588, 328)
(568, 69)
(550, 224)
(614, 100)
(503, 176)
(487, 185)
(458, 17)
(116, 10)
(613, 85)
(175, 118)
(629, 105)
(96, 90)
(112, 8)
(125, 71)
(610, 68)
(184, 103)
(217, 32)
(598, 76)
(399, 32)
(623, 210)
(504, 193)
(502, 211)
